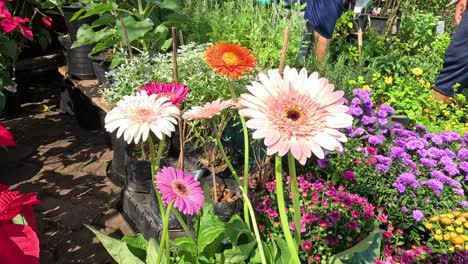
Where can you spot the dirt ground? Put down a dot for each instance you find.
(66, 166)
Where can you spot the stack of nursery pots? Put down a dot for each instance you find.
(79, 65)
(139, 203)
(101, 65)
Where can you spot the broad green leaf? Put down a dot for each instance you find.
(211, 229)
(185, 243)
(104, 19)
(137, 245)
(173, 5)
(19, 220)
(78, 14)
(9, 48)
(365, 251)
(86, 35)
(116, 248)
(235, 228)
(152, 252)
(282, 254)
(135, 29)
(100, 9)
(238, 254)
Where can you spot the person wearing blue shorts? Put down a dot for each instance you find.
(455, 69)
(321, 17)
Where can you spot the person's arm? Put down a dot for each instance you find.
(320, 47)
(460, 9)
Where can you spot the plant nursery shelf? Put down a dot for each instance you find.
(90, 88)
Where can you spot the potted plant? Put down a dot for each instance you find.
(142, 26)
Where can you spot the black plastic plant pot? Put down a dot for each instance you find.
(73, 26)
(225, 210)
(378, 24)
(79, 65)
(88, 115)
(101, 66)
(116, 171)
(138, 173)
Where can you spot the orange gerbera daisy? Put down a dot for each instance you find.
(231, 60)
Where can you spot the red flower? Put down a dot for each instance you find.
(6, 138)
(306, 245)
(349, 175)
(18, 243)
(11, 23)
(47, 21)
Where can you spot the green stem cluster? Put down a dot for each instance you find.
(295, 195)
(155, 161)
(164, 243)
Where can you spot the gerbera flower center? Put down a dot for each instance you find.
(180, 188)
(168, 95)
(293, 113)
(230, 58)
(144, 113)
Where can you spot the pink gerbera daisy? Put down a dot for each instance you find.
(207, 111)
(175, 92)
(180, 187)
(296, 112)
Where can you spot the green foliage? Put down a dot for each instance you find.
(253, 25)
(118, 249)
(365, 251)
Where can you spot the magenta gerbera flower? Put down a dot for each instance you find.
(180, 187)
(175, 92)
(296, 112)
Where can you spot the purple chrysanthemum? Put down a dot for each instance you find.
(418, 215)
(405, 179)
(436, 185)
(396, 152)
(430, 163)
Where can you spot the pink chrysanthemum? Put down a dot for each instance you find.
(296, 112)
(176, 92)
(135, 116)
(175, 184)
(207, 111)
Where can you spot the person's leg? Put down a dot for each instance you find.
(320, 47)
(455, 69)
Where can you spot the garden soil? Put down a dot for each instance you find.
(66, 166)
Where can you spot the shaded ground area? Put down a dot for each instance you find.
(66, 166)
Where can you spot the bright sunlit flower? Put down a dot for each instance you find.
(207, 111)
(231, 60)
(417, 71)
(297, 113)
(135, 116)
(388, 79)
(180, 187)
(176, 92)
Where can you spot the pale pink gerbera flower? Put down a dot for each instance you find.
(135, 116)
(296, 113)
(180, 187)
(176, 92)
(207, 111)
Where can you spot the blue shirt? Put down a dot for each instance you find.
(323, 14)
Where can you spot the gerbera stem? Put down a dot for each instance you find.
(246, 153)
(295, 194)
(184, 225)
(165, 235)
(226, 159)
(154, 168)
(255, 227)
(282, 212)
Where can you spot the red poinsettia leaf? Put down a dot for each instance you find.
(3, 187)
(19, 244)
(13, 202)
(6, 138)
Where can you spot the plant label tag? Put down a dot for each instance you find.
(440, 28)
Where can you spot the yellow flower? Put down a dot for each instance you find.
(366, 87)
(461, 219)
(466, 247)
(428, 226)
(446, 221)
(465, 215)
(451, 216)
(458, 222)
(438, 237)
(438, 231)
(388, 79)
(459, 246)
(452, 249)
(459, 230)
(457, 213)
(465, 237)
(453, 234)
(465, 224)
(417, 71)
(447, 236)
(450, 228)
(434, 219)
